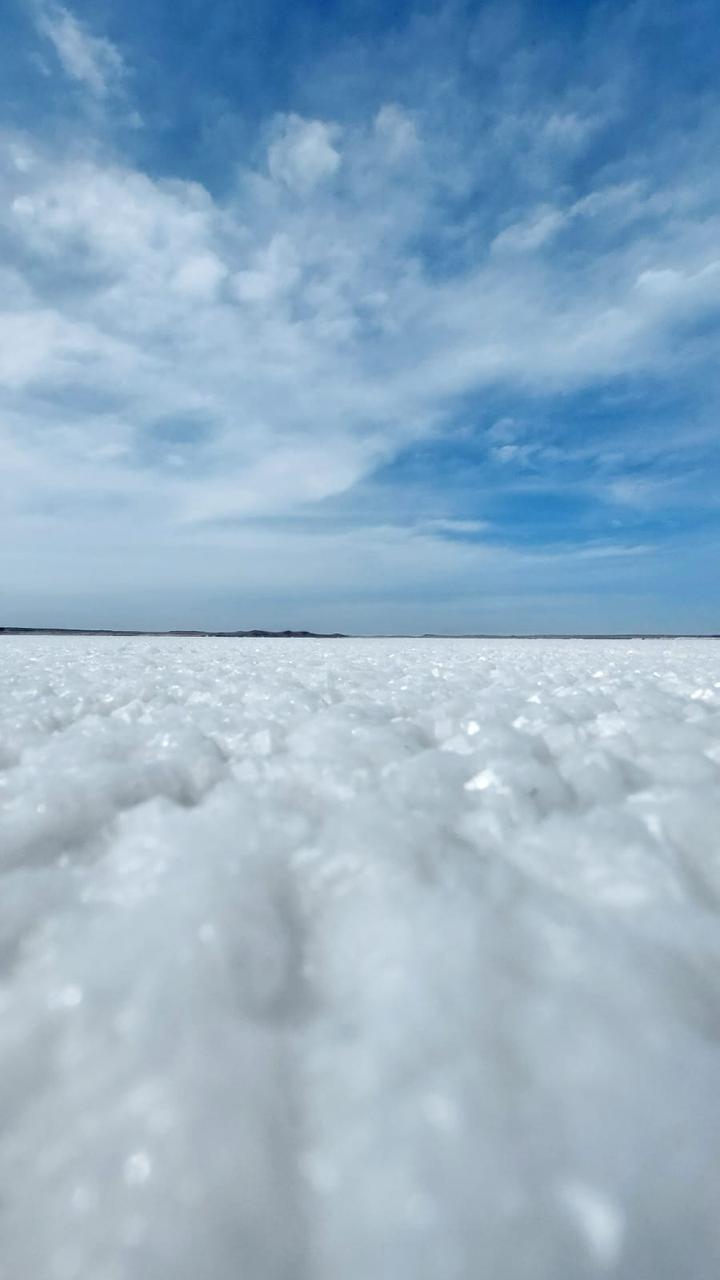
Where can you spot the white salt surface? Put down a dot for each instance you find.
(359, 960)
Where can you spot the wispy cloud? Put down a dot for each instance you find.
(190, 353)
(93, 61)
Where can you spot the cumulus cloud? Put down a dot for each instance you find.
(273, 270)
(302, 152)
(200, 275)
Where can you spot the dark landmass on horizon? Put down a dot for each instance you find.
(104, 631)
(340, 635)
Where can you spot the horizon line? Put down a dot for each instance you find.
(260, 633)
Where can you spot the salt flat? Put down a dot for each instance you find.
(359, 959)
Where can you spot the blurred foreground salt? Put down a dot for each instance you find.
(359, 960)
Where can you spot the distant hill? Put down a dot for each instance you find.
(226, 635)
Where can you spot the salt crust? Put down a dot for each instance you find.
(359, 960)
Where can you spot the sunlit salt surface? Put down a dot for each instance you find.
(359, 960)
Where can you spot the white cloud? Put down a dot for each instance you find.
(306, 334)
(570, 129)
(529, 235)
(397, 131)
(299, 320)
(92, 61)
(519, 454)
(503, 430)
(693, 285)
(199, 372)
(302, 153)
(456, 526)
(274, 271)
(199, 275)
(616, 204)
(642, 493)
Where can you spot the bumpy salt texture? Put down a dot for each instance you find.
(359, 960)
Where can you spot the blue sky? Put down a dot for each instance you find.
(360, 315)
